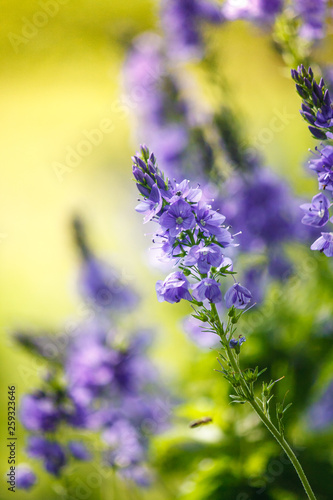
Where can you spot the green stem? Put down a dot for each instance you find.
(286, 448)
(263, 417)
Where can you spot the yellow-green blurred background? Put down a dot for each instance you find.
(66, 79)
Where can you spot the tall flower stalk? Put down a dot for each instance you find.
(317, 111)
(194, 236)
(210, 145)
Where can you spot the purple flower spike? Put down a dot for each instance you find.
(207, 289)
(324, 244)
(204, 257)
(152, 205)
(173, 288)
(316, 212)
(24, 477)
(179, 217)
(237, 296)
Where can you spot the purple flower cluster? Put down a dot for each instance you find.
(317, 109)
(192, 233)
(97, 383)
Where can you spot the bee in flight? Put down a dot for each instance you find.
(200, 421)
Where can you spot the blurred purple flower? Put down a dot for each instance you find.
(279, 266)
(25, 478)
(183, 191)
(39, 412)
(234, 342)
(182, 20)
(78, 450)
(324, 244)
(209, 220)
(261, 207)
(90, 365)
(49, 451)
(316, 212)
(323, 165)
(255, 279)
(160, 111)
(143, 71)
(97, 382)
(152, 205)
(100, 284)
(260, 11)
(178, 217)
